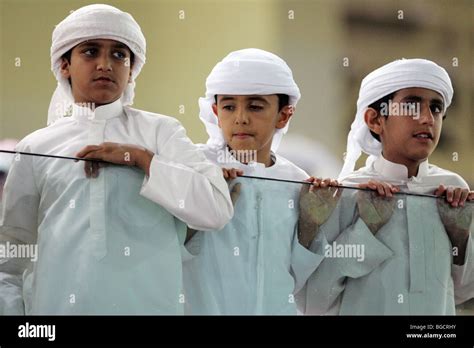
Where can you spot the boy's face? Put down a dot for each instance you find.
(99, 71)
(248, 122)
(407, 138)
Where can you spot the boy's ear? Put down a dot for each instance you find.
(373, 121)
(284, 116)
(64, 69)
(214, 110)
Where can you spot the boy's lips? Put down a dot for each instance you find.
(423, 136)
(103, 79)
(242, 135)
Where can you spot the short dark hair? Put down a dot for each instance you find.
(377, 106)
(283, 100)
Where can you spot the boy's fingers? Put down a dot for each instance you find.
(470, 197)
(395, 189)
(325, 182)
(316, 183)
(449, 194)
(440, 190)
(456, 197)
(236, 173)
(388, 190)
(464, 196)
(86, 150)
(310, 179)
(372, 185)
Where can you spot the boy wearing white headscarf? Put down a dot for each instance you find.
(419, 251)
(256, 263)
(108, 243)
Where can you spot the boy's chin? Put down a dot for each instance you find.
(103, 99)
(239, 146)
(421, 156)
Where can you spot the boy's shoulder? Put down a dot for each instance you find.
(288, 169)
(36, 140)
(434, 177)
(151, 118)
(446, 177)
(360, 175)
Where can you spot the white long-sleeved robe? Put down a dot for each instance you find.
(107, 245)
(255, 264)
(407, 267)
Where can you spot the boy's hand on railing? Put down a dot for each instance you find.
(376, 208)
(316, 204)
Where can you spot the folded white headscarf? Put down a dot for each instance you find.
(249, 71)
(399, 74)
(88, 23)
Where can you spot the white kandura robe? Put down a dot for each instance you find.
(106, 245)
(255, 264)
(408, 265)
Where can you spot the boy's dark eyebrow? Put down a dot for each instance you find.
(250, 98)
(417, 98)
(226, 97)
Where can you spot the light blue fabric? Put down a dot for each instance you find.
(407, 269)
(249, 266)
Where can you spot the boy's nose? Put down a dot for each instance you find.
(241, 116)
(104, 63)
(426, 116)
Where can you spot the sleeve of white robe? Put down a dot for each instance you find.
(327, 283)
(463, 275)
(18, 225)
(305, 261)
(185, 183)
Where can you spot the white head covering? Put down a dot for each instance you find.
(399, 74)
(89, 23)
(249, 71)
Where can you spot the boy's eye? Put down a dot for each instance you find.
(255, 107)
(228, 107)
(436, 109)
(90, 51)
(120, 55)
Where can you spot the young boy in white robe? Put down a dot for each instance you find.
(256, 263)
(418, 251)
(108, 242)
